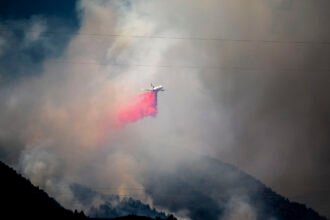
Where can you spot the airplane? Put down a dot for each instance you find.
(156, 88)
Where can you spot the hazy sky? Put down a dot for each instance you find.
(247, 83)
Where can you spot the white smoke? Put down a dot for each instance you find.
(239, 208)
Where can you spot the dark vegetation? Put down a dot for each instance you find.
(204, 188)
(19, 199)
(113, 205)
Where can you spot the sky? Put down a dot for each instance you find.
(246, 82)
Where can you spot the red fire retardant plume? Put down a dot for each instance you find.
(139, 107)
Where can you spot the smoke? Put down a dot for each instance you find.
(251, 103)
(239, 209)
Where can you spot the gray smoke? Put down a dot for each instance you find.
(260, 104)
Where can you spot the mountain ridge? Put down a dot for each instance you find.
(221, 189)
(20, 199)
(206, 188)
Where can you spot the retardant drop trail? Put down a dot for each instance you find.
(139, 107)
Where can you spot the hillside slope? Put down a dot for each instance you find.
(210, 189)
(19, 199)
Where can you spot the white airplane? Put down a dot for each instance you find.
(156, 88)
